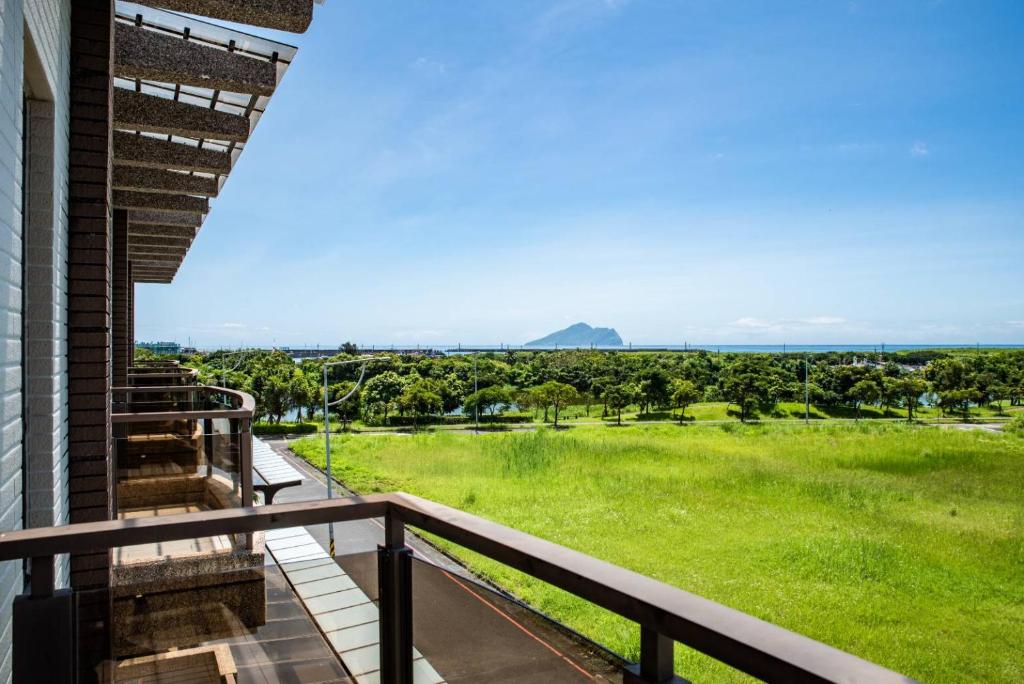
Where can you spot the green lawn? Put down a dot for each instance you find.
(904, 545)
(718, 411)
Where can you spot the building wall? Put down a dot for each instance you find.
(33, 392)
(46, 277)
(11, 70)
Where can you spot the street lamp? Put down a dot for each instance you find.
(327, 423)
(224, 368)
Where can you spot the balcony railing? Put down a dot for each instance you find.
(161, 373)
(664, 613)
(181, 446)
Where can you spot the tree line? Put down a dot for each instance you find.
(492, 385)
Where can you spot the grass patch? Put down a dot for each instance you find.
(903, 545)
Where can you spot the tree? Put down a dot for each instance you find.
(303, 393)
(618, 397)
(421, 398)
(910, 388)
(557, 395)
(864, 391)
(347, 410)
(956, 400)
(654, 388)
(684, 393)
(487, 400)
(382, 391)
(748, 382)
(276, 397)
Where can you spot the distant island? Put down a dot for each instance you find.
(579, 335)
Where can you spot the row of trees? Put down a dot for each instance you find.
(489, 384)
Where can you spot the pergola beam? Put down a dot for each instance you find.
(156, 217)
(131, 149)
(151, 55)
(125, 199)
(153, 279)
(165, 182)
(143, 260)
(285, 15)
(157, 253)
(136, 230)
(158, 242)
(156, 114)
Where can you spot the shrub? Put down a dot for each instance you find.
(284, 428)
(462, 419)
(1016, 426)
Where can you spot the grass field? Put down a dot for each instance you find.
(901, 544)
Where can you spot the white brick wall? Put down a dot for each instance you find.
(44, 447)
(11, 73)
(46, 253)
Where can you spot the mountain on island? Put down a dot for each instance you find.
(579, 335)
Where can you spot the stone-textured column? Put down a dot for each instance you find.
(119, 302)
(131, 315)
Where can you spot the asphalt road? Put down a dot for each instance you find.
(467, 632)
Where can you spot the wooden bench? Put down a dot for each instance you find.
(271, 473)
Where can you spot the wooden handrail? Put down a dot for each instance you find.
(742, 641)
(246, 405)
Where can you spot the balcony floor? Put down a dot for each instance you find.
(174, 549)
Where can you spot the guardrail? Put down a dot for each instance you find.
(170, 374)
(196, 405)
(664, 613)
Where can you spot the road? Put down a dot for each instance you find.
(467, 632)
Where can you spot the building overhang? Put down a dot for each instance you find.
(188, 95)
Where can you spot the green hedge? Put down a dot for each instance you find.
(500, 419)
(284, 428)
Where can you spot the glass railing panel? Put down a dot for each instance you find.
(185, 465)
(210, 620)
(467, 631)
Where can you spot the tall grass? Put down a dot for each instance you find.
(903, 545)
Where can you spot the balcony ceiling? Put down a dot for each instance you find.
(188, 95)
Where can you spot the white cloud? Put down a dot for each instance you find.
(233, 325)
(919, 149)
(752, 324)
(824, 320)
(430, 66)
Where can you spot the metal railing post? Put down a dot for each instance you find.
(245, 461)
(208, 445)
(656, 661)
(394, 576)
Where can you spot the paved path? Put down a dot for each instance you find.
(466, 632)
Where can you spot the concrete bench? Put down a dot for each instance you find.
(271, 473)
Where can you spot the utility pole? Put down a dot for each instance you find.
(327, 427)
(476, 388)
(807, 392)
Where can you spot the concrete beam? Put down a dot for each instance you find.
(143, 260)
(153, 153)
(124, 199)
(136, 230)
(145, 241)
(150, 269)
(285, 15)
(157, 250)
(155, 56)
(156, 217)
(155, 279)
(156, 114)
(164, 182)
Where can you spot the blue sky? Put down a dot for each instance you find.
(681, 170)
